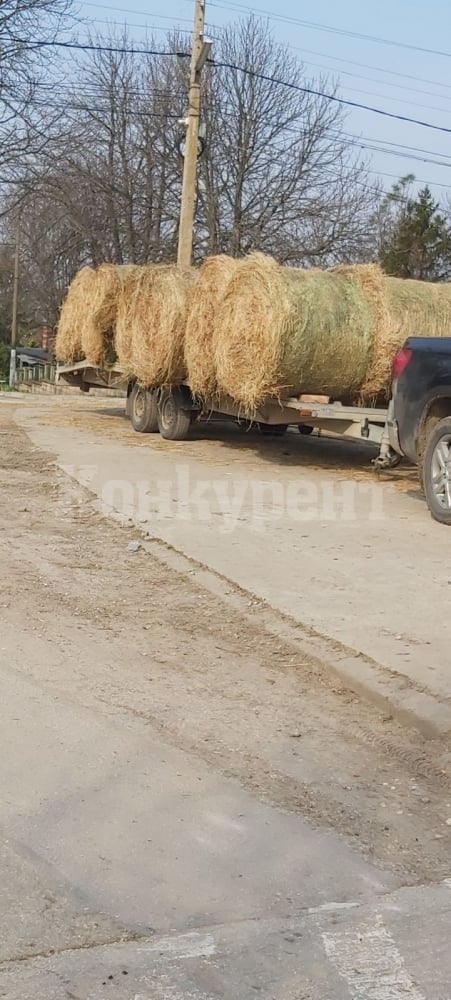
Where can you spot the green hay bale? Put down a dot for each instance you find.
(284, 331)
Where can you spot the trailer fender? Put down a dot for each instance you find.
(183, 398)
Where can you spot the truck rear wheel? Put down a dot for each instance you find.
(143, 410)
(437, 472)
(173, 422)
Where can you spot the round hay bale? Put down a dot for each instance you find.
(201, 328)
(123, 324)
(98, 331)
(408, 308)
(73, 317)
(157, 317)
(284, 331)
(371, 279)
(415, 309)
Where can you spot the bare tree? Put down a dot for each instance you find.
(277, 173)
(108, 188)
(26, 28)
(115, 177)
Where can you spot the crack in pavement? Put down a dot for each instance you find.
(125, 938)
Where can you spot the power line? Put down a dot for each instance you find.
(101, 106)
(397, 100)
(399, 145)
(363, 142)
(272, 16)
(327, 69)
(382, 83)
(133, 112)
(376, 69)
(139, 13)
(296, 48)
(90, 47)
(146, 27)
(357, 90)
(394, 152)
(308, 90)
(377, 173)
(329, 97)
(92, 91)
(124, 50)
(342, 140)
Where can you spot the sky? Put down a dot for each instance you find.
(400, 78)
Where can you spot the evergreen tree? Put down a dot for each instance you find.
(418, 243)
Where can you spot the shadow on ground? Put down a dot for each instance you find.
(212, 439)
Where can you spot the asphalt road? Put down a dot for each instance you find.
(301, 523)
(192, 806)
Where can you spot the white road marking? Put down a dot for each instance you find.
(191, 945)
(369, 961)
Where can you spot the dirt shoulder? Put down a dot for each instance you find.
(132, 637)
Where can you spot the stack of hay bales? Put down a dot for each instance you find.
(87, 322)
(250, 328)
(133, 314)
(258, 330)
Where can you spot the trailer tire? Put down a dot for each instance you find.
(173, 422)
(143, 410)
(305, 429)
(394, 460)
(272, 430)
(437, 472)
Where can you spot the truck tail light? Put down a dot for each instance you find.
(401, 360)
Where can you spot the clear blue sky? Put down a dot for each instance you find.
(403, 81)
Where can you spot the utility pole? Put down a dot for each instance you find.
(12, 359)
(200, 52)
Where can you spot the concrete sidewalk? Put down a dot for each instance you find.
(356, 560)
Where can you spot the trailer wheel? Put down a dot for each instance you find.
(394, 460)
(305, 429)
(437, 472)
(272, 430)
(173, 422)
(143, 410)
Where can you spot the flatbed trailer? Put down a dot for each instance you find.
(172, 411)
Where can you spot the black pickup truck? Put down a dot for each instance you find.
(419, 422)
